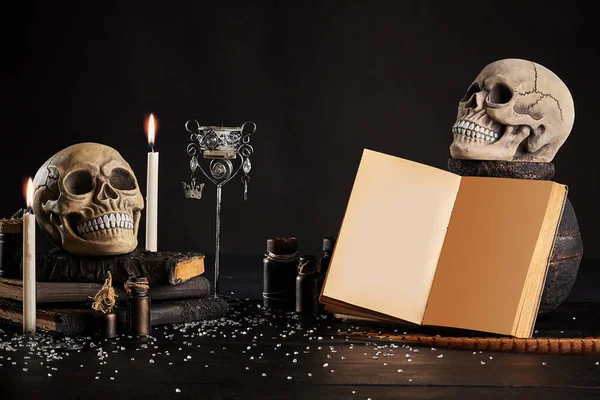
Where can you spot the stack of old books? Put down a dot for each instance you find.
(66, 285)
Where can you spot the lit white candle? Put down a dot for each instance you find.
(29, 306)
(151, 188)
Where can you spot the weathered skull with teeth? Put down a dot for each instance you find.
(515, 110)
(88, 201)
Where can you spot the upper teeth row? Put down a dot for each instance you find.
(473, 130)
(112, 220)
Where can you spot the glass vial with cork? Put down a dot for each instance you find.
(279, 273)
(328, 245)
(106, 324)
(308, 285)
(138, 306)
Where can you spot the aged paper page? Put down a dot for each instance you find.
(391, 236)
(493, 233)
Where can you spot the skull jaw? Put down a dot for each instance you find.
(108, 242)
(510, 147)
(116, 243)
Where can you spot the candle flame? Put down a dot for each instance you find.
(29, 194)
(151, 130)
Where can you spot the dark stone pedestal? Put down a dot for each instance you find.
(568, 247)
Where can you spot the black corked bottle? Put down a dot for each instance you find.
(107, 325)
(308, 285)
(328, 245)
(138, 306)
(279, 273)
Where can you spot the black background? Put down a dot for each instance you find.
(322, 81)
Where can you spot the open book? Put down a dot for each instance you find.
(422, 245)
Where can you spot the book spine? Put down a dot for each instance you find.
(158, 267)
(183, 311)
(83, 321)
(72, 292)
(198, 287)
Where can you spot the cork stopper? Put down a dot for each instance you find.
(329, 244)
(282, 245)
(307, 264)
(137, 285)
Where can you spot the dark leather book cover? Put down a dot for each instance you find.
(163, 267)
(79, 318)
(68, 292)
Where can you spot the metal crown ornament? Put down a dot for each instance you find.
(192, 190)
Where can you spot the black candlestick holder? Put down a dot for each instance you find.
(224, 151)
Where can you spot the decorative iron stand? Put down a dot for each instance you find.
(225, 151)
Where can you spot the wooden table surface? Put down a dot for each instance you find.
(267, 354)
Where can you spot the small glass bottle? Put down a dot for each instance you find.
(138, 306)
(328, 245)
(308, 285)
(106, 325)
(279, 273)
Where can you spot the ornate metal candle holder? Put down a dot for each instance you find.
(224, 151)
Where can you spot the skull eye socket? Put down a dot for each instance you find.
(122, 179)
(474, 88)
(79, 182)
(500, 94)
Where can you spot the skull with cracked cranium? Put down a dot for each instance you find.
(515, 110)
(88, 201)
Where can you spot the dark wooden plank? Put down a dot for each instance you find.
(240, 351)
(251, 355)
(289, 391)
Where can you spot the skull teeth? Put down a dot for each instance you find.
(107, 221)
(470, 129)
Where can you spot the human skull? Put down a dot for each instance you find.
(87, 200)
(515, 110)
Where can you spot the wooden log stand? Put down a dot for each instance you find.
(568, 248)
